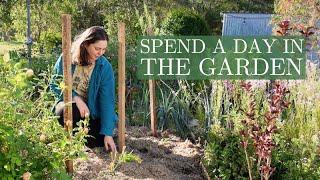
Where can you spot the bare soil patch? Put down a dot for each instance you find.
(164, 157)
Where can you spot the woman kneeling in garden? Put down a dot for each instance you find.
(93, 91)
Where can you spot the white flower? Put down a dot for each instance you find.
(29, 73)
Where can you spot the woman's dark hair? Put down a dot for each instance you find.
(89, 36)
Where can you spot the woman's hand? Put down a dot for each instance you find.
(108, 142)
(82, 106)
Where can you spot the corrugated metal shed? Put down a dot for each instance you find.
(247, 24)
(244, 24)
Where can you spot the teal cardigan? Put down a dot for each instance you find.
(101, 93)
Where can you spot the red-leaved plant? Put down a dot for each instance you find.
(261, 133)
(284, 27)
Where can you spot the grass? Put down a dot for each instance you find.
(6, 46)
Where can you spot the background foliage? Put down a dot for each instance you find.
(204, 111)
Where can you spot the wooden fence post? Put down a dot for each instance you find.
(121, 85)
(67, 77)
(153, 110)
(153, 104)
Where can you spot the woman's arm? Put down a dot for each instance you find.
(107, 105)
(107, 102)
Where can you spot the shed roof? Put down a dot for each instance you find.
(246, 24)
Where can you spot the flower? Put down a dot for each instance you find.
(26, 176)
(29, 73)
(228, 85)
(6, 57)
(42, 138)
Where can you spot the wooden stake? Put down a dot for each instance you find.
(153, 110)
(67, 77)
(121, 85)
(153, 104)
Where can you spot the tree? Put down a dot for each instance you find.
(6, 18)
(306, 12)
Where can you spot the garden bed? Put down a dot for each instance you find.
(166, 157)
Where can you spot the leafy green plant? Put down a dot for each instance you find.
(184, 22)
(31, 138)
(224, 158)
(296, 158)
(124, 157)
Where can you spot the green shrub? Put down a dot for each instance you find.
(184, 22)
(50, 42)
(224, 158)
(31, 139)
(296, 158)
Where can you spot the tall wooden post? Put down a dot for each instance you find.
(153, 110)
(152, 90)
(67, 77)
(121, 85)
